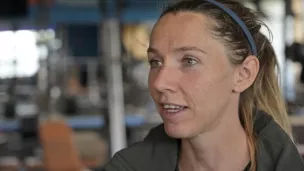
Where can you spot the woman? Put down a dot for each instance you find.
(214, 84)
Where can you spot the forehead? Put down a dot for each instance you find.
(183, 28)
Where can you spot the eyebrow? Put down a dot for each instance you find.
(179, 49)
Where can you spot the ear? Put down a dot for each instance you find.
(246, 73)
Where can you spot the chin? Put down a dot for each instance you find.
(177, 131)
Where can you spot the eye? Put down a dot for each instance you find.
(155, 63)
(189, 61)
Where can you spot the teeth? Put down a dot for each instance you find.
(170, 106)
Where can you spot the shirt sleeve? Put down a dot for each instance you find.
(117, 163)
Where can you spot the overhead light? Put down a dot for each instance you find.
(135, 39)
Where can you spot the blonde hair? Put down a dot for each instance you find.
(265, 94)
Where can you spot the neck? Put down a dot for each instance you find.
(225, 147)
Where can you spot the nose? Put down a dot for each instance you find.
(165, 79)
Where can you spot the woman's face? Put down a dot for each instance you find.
(191, 79)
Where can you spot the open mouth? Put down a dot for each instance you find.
(172, 108)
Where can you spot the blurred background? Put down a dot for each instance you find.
(73, 77)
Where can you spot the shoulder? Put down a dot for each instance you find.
(145, 155)
(275, 149)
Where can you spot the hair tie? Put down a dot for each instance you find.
(239, 21)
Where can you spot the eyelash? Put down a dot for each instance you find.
(184, 60)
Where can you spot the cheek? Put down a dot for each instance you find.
(208, 95)
(198, 83)
(151, 80)
(207, 90)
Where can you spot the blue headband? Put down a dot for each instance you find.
(240, 23)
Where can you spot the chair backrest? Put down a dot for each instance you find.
(60, 152)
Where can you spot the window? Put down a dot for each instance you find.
(18, 54)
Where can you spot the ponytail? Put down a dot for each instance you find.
(265, 94)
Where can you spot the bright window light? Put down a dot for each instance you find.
(21, 47)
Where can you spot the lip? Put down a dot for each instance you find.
(169, 103)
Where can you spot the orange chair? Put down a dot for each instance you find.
(60, 152)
